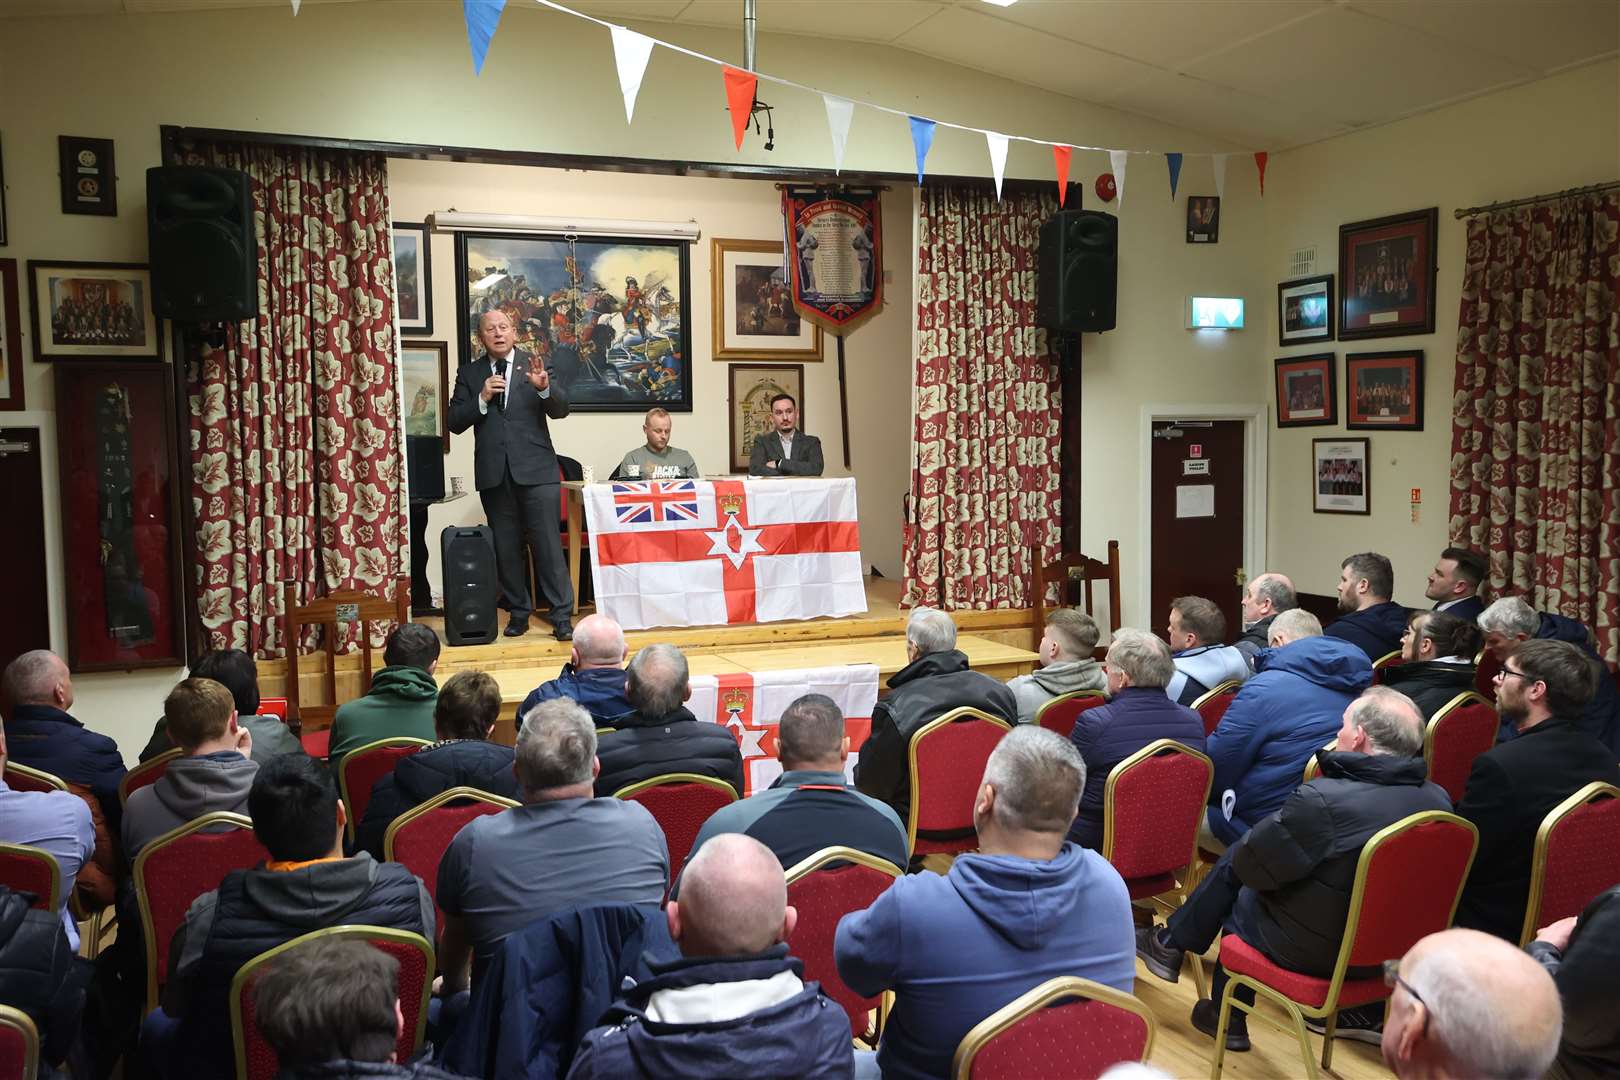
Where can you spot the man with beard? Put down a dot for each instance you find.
(1371, 620)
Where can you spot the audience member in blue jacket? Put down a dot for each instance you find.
(1510, 621)
(593, 676)
(1371, 620)
(1197, 629)
(1139, 713)
(1294, 703)
(1026, 907)
(42, 735)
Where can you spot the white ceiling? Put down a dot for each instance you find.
(1262, 74)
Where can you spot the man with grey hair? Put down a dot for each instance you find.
(935, 680)
(1066, 663)
(661, 735)
(561, 849)
(1466, 1005)
(1027, 906)
(37, 691)
(1139, 712)
(1510, 621)
(594, 675)
(1264, 598)
(1284, 888)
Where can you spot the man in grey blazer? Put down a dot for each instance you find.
(505, 396)
(785, 451)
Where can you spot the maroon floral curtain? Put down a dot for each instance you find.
(295, 442)
(984, 481)
(1535, 444)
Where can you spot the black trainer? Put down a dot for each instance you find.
(516, 628)
(1363, 1024)
(1158, 955)
(1206, 1017)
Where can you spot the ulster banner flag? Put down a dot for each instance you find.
(696, 553)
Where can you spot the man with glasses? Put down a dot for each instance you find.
(1541, 691)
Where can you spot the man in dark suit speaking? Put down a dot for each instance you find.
(785, 451)
(505, 397)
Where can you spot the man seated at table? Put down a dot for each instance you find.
(656, 459)
(593, 676)
(785, 450)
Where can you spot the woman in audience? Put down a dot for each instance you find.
(469, 704)
(1438, 651)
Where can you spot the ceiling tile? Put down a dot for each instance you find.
(1248, 122)
(858, 20)
(1543, 34)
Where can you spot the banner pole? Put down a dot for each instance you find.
(843, 400)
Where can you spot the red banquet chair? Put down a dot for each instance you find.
(145, 774)
(1388, 660)
(1212, 706)
(417, 839)
(255, 1060)
(1408, 881)
(362, 767)
(19, 1044)
(1577, 856)
(824, 888)
(681, 803)
(175, 869)
(947, 757)
(1486, 665)
(1459, 731)
(22, 778)
(32, 870)
(1068, 1027)
(1061, 713)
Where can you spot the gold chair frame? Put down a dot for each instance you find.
(39, 854)
(16, 1018)
(449, 795)
(162, 760)
(38, 775)
(965, 712)
(819, 860)
(1592, 792)
(1070, 696)
(1215, 691)
(350, 824)
(1383, 661)
(1033, 1001)
(675, 778)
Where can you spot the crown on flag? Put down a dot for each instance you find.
(730, 504)
(735, 700)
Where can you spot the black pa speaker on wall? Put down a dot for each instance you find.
(1077, 271)
(199, 225)
(424, 466)
(467, 559)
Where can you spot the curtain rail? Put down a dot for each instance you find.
(1471, 211)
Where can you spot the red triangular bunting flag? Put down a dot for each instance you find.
(1060, 159)
(1260, 163)
(740, 86)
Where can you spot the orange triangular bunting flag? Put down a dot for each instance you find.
(740, 86)
(1260, 163)
(1060, 161)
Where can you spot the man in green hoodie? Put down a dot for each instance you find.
(403, 694)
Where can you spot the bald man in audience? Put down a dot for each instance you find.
(1466, 1005)
(593, 676)
(1264, 598)
(735, 1003)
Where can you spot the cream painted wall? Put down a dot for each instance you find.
(1550, 135)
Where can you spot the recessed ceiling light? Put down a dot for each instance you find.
(1002, 3)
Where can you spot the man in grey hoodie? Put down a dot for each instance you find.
(1196, 631)
(214, 775)
(1066, 663)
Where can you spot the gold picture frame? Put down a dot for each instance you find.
(752, 387)
(754, 318)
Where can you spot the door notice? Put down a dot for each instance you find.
(1195, 500)
(1195, 467)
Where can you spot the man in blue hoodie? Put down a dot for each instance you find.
(1510, 622)
(1371, 620)
(1293, 703)
(593, 676)
(1026, 907)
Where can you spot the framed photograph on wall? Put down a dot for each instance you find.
(11, 377)
(1387, 270)
(752, 387)
(1305, 310)
(425, 377)
(120, 516)
(413, 274)
(1341, 477)
(1384, 390)
(1305, 391)
(609, 316)
(754, 317)
(1203, 219)
(92, 311)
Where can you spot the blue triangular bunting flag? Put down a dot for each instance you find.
(922, 138)
(1174, 161)
(482, 17)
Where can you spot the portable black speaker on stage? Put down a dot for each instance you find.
(1076, 279)
(467, 554)
(199, 225)
(424, 466)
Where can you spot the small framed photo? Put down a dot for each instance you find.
(1305, 310)
(413, 277)
(752, 387)
(1305, 391)
(1384, 390)
(1343, 484)
(11, 377)
(89, 182)
(1203, 219)
(1387, 271)
(3, 233)
(92, 311)
(425, 376)
(754, 317)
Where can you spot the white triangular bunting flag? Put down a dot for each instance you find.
(997, 145)
(295, 7)
(630, 53)
(839, 113)
(1219, 161)
(1116, 159)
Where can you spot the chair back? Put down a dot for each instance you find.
(256, 1060)
(22, 778)
(1388, 660)
(1576, 856)
(1313, 765)
(362, 767)
(417, 839)
(947, 757)
(32, 870)
(19, 1044)
(1064, 572)
(145, 774)
(1152, 807)
(824, 888)
(175, 869)
(273, 706)
(1061, 713)
(681, 803)
(332, 612)
(1459, 731)
(1212, 706)
(1486, 665)
(1068, 1027)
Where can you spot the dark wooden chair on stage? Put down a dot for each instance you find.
(1074, 573)
(331, 612)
